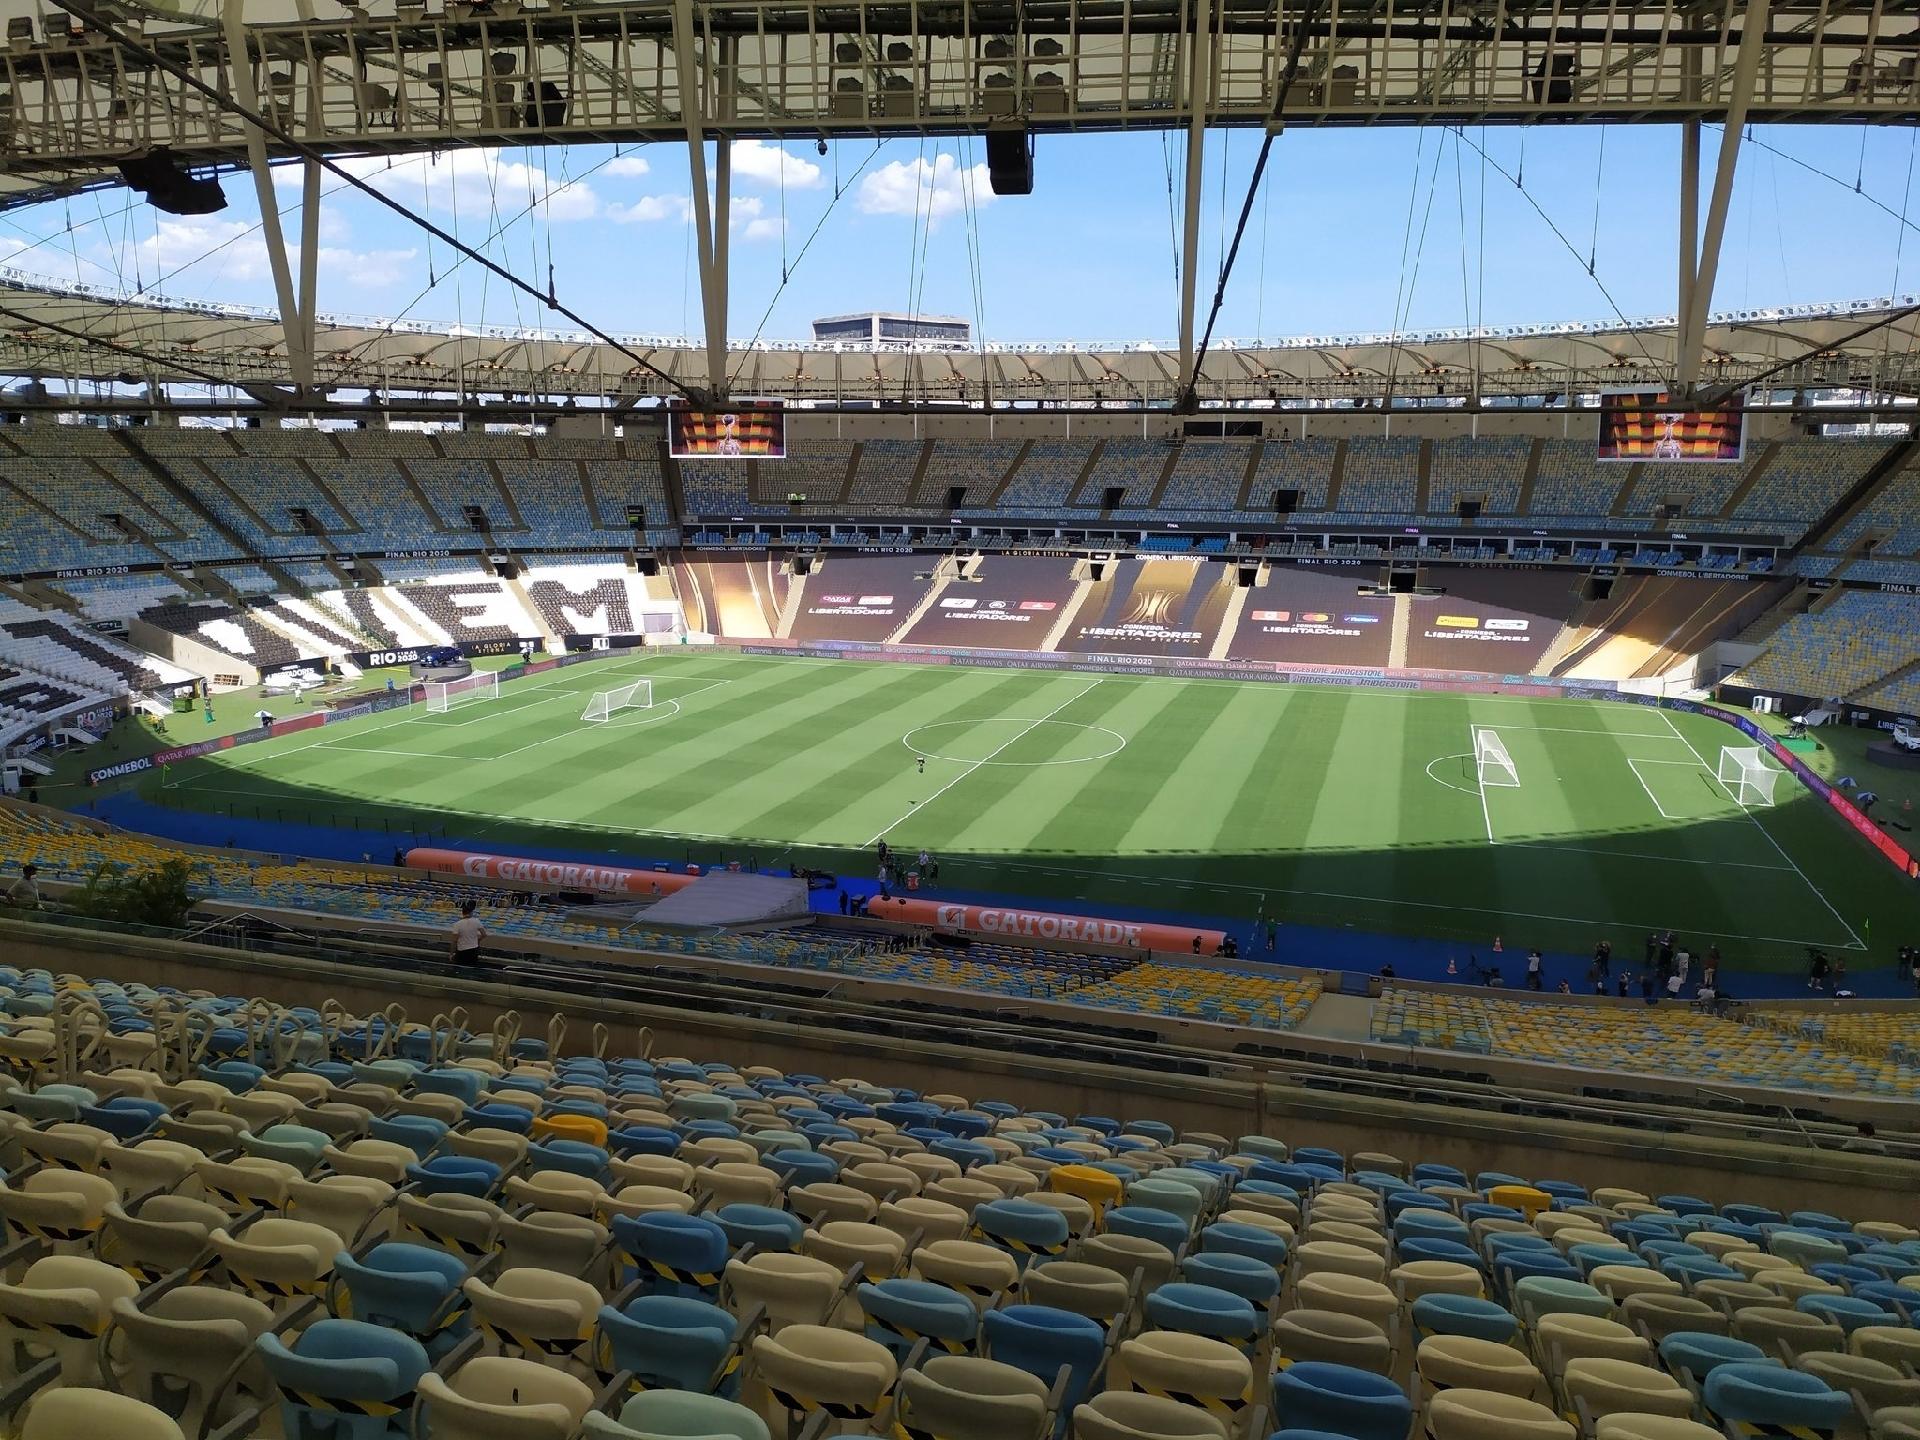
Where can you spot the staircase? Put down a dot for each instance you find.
(184, 494)
(1336, 477)
(1401, 633)
(517, 588)
(1166, 474)
(789, 608)
(1635, 472)
(1748, 481)
(927, 602)
(1859, 496)
(419, 494)
(1229, 622)
(1423, 479)
(1000, 488)
(1524, 505)
(1892, 677)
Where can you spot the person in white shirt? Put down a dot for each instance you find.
(24, 893)
(468, 933)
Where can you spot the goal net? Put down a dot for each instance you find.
(1746, 775)
(444, 695)
(1492, 762)
(603, 706)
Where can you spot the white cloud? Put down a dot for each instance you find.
(755, 161)
(747, 217)
(628, 165)
(650, 208)
(199, 248)
(933, 191)
(469, 182)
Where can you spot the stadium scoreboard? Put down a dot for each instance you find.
(1651, 425)
(743, 430)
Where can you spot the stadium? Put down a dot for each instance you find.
(569, 873)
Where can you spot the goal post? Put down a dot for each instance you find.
(1491, 761)
(1745, 775)
(606, 703)
(445, 695)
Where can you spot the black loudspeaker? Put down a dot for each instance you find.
(476, 517)
(1285, 502)
(1469, 509)
(170, 188)
(1245, 575)
(647, 565)
(1113, 497)
(956, 496)
(1010, 162)
(1599, 587)
(1401, 582)
(637, 516)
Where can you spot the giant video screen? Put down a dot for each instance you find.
(861, 597)
(1313, 617)
(743, 430)
(1011, 603)
(1170, 605)
(1650, 425)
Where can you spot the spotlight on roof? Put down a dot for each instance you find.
(169, 187)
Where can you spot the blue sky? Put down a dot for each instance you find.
(1356, 230)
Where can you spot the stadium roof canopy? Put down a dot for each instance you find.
(173, 88)
(75, 336)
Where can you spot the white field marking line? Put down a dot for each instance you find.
(1480, 782)
(1433, 905)
(1030, 726)
(1638, 854)
(1575, 729)
(431, 719)
(1634, 765)
(1818, 894)
(1440, 760)
(1278, 687)
(249, 760)
(1020, 764)
(672, 704)
(340, 748)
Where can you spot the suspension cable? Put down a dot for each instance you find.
(1287, 77)
(87, 14)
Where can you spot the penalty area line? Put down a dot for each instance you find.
(1818, 894)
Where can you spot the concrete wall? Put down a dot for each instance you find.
(193, 655)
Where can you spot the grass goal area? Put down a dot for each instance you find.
(1550, 822)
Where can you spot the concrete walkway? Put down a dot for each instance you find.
(1339, 1017)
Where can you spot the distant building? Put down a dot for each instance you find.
(886, 330)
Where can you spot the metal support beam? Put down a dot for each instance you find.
(1746, 71)
(703, 237)
(1197, 90)
(1689, 218)
(722, 204)
(299, 331)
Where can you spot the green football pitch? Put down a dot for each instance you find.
(1321, 805)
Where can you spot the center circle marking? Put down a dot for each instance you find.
(1014, 728)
